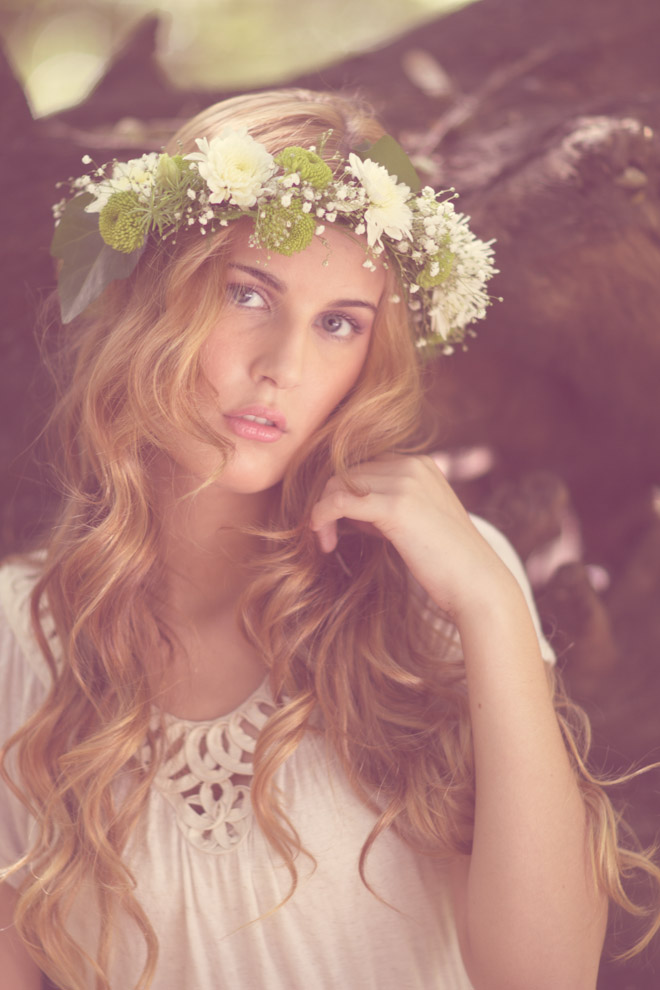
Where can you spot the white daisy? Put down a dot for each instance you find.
(388, 212)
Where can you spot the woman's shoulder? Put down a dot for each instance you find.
(20, 655)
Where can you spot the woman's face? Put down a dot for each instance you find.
(286, 349)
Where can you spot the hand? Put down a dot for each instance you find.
(409, 502)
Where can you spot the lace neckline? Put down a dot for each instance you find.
(207, 771)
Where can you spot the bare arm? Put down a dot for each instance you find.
(17, 968)
(529, 914)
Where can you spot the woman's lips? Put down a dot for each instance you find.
(257, 423)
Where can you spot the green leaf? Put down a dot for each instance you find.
(389, 153)
(88, 263)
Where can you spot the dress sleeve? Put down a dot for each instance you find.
(508, 555)
(24, 680)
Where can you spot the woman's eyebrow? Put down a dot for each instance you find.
(279, 286)
(354, 302)
(258, 273)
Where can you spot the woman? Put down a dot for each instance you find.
(281, 713)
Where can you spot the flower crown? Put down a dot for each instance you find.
(102, 231)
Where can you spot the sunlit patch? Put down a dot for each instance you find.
(62, 80)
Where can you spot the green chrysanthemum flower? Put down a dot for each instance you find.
(122, 222)
(308, 164)
(436, 270)
(284, 229)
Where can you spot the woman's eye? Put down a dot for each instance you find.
(245, 295)
(339, 326)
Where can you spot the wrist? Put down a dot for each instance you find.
(495, 596)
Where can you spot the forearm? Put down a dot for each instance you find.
(532, 917)
(528, 914)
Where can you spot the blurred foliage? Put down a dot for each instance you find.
(59, 48)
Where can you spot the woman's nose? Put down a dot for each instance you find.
(282, 353)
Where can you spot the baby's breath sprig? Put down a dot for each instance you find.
(290, 198)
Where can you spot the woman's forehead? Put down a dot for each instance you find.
(333, 263)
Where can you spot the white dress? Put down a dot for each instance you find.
(210, 882)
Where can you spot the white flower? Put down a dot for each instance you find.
(464, 298)
(234, 166)
(438, 317)
(388, 212)
(137, 175)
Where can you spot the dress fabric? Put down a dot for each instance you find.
(209, 881)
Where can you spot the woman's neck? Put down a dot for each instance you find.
(204, 543)
(206, 554)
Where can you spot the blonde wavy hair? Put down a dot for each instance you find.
(341, 660)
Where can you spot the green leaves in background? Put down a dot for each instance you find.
(389, 153)
(88, 263)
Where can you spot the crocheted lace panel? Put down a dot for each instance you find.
(207, 773)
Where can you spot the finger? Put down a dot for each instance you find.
(327, 536)
(367, 474)
(398, 486)
(329, 533)
(342, 504)
(324, 521)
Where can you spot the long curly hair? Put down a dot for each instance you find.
(341, 660)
